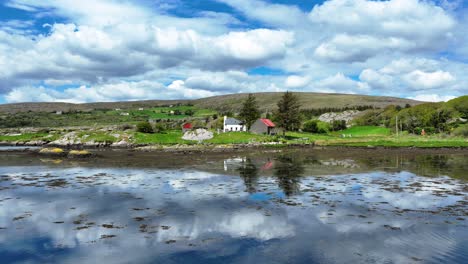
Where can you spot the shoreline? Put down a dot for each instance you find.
(216, 148)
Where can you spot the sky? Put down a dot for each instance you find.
(116, 50)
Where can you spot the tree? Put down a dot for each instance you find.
(338, 125)
(145, 127)
(249, 112)
(288, 115)
(189, 112)
(311, 126)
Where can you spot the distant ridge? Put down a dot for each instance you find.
(230, 102)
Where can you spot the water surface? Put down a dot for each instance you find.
(275, 207)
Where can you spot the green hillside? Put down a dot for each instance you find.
(228, 103)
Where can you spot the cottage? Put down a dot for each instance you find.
(187, 127)
(232, 124)
(263, 126)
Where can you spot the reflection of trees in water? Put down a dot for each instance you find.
(288, 171)
(249, 173)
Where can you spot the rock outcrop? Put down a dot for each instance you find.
(198, 135)
(347, 116)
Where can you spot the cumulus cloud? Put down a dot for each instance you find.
(344, 47)
(433, 97)
(366, 28)
(88, 54)
(339, 83)
(409, 75)
(108, 43)
(295, 81)
(141, 90)
(420, 80)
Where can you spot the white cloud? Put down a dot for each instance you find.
(363, 28)
(339, 83)
(410, 75)
(88, 54)
(295, 81)
(376, 79)
(420, 80)
(344, 47)
(433, 97)
(142, 90)
(105, 44)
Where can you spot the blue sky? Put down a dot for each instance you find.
(110, 50)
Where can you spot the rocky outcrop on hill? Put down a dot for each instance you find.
(348, 116)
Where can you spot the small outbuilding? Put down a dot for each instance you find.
(187, 127)
(263, 126)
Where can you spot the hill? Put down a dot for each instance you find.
(231, 102)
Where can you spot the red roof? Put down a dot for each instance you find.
(267, 122)
(187, 126)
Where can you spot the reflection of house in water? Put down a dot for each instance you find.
(233, 164)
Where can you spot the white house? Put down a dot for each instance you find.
(232, 124)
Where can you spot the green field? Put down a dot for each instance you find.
(364, 136)
(165, 112)
(28, 137)
(100, 117)
(364, 131)
(238, 138)
(167, 138)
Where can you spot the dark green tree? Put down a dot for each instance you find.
(288, 115)
(249, 112)
(145, 127)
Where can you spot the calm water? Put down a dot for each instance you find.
(294, 207)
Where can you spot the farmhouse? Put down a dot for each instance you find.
(263, 126)
(232, 124)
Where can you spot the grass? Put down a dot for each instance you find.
(365, 131)
(363, 136)
(100, 137)
(98, 117)
(28, 137)
(169, 138)
(238, 138)
(165, 112)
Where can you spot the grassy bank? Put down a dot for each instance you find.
(366, 136)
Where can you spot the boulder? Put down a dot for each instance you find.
(121, 144)
(198, 135)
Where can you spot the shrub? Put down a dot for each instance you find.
(145, 127)
(160, 128)
(338, 125)
(461, 131)
(124, 127)
(311, 126)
